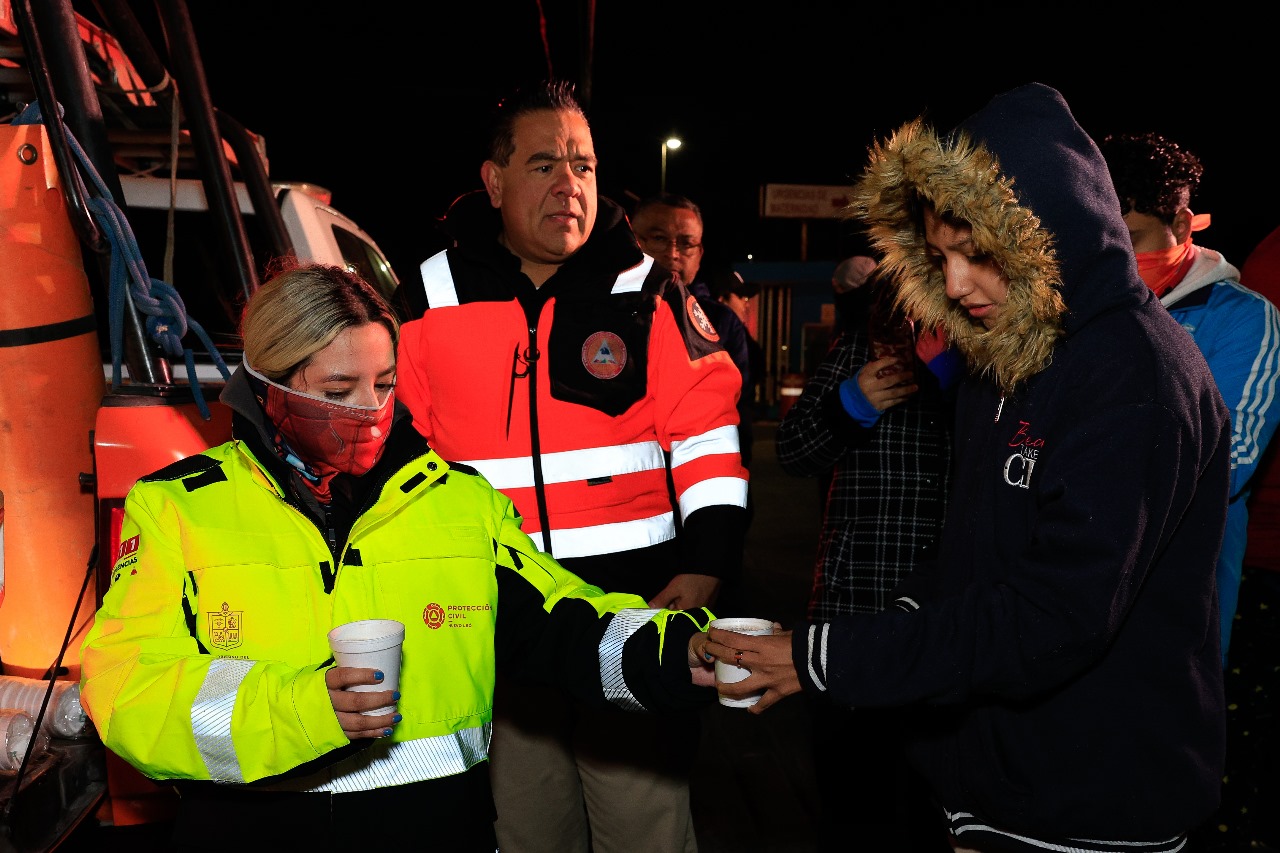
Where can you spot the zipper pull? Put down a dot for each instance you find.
(530, 355)
(999, 409)
(330, 535)
(511, 392)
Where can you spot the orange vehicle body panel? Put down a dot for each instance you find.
(49, 395)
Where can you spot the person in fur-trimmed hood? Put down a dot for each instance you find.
(1059, 664)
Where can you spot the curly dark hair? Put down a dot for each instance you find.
(1152, 174)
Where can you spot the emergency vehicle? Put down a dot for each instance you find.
(135, 218)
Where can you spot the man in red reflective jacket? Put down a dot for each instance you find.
(553, 356)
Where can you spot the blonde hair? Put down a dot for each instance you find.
(300, 310)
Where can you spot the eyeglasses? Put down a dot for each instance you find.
(683, 245)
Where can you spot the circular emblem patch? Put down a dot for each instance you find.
(433, 615)
(699, 318)
(604, 355)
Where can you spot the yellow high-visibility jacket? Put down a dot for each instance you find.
(207, 658)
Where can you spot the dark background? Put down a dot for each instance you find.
(384, 103)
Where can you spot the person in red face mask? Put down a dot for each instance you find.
(207, 666)
(328, 412)
(1236, 329)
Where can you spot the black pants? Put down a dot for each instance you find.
(454, 813)
(868, 791)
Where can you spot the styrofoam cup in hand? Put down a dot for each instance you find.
(371, 643)
(726, 671)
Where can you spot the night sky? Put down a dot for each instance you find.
(384, 104)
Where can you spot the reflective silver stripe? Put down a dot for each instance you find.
(387, 762)
(718, 491)
(962, 822)
(211, 718)
(719, 440)
(608, 538)
(632, 280)
(621, 627)
(515, 472)
(437, 281)
(817, 679)
(567, 466)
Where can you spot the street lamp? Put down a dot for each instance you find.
(672, 142)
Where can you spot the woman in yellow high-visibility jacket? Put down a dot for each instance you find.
(208, 665)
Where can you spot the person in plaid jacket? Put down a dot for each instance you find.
(881, 428)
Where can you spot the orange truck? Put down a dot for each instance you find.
(135, 217)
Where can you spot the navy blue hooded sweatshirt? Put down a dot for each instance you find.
(1060, 663)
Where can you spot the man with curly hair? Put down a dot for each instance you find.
(1237, 329)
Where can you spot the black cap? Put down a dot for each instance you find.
(728, 281)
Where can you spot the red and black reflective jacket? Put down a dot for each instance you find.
(631, 434)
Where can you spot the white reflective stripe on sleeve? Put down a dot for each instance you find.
(621, 627)
(632, 280)
(718, 491)
(719, 440)
(818, 679)
(211, 718)
(387, 763)
(437, 281)
(567, 466)
(608, 538)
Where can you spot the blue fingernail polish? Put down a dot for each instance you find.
(397, 718)
(395, 697)
(377, 676)
(386, 732)
(707, 656)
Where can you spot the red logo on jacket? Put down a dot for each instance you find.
(127, 547)
(604, 355)
(700, 320)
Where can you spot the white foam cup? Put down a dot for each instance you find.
(371, 643)
(726, 671)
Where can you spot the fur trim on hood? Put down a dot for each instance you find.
(1024, 176)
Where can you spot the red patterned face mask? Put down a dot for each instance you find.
(320, 437)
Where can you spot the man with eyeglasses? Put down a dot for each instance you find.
(668, 228)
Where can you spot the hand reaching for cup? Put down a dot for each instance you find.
(768, 657)
(349, 705)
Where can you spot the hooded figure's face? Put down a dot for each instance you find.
(973, 279)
